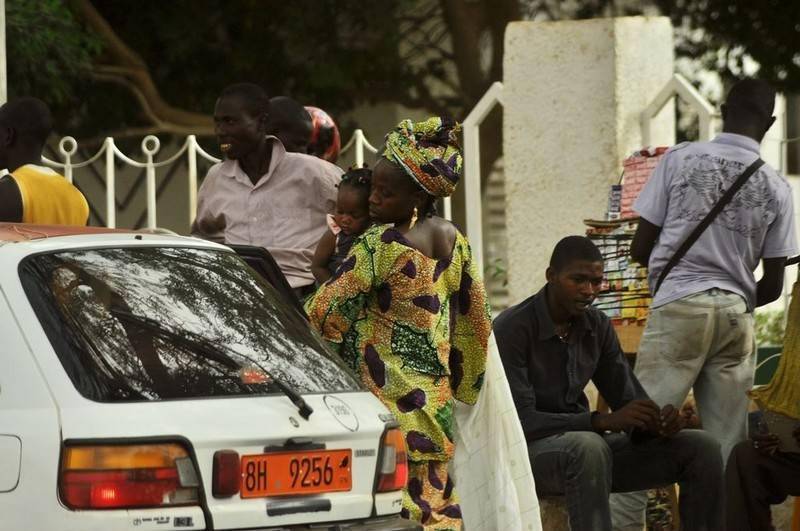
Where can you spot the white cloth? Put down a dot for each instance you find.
(491, 468)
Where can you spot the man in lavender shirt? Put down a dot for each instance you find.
(700, 333)
(262, 195)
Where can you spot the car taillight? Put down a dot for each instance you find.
(227, 474)
(124, 476)
(393, 467)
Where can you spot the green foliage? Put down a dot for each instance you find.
(331, 53)
(48, 53)
(769, 328)
(730, 30)
(334, 53)
(341, 53)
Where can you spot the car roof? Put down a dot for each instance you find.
(21, 232)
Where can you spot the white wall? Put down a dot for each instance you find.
(573, 94)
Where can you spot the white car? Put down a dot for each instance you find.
(155, 382)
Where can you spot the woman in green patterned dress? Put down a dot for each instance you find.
(407, 309)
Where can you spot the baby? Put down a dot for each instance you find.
(349, 221)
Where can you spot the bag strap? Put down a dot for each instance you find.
(698, 230)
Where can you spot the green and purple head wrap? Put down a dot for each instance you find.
(428, 152)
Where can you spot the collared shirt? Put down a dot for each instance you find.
(547, 376)
(283, 212)
(757, 223)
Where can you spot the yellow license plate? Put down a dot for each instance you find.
(296, 473)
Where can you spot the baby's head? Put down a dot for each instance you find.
(352, 202)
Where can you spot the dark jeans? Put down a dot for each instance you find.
(586, 467)
(754, 482)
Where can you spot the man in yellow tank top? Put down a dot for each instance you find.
(32, 193)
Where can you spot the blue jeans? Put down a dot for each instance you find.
(586, 467)
(705, 341)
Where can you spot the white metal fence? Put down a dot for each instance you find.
(190, 150)
(680, 87)
(472, 168)
(151, 145)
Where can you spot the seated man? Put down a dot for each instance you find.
(551, 345)
(32, 193)
(759, 475)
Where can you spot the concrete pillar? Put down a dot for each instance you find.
(573, 94)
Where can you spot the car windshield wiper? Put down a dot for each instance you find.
(218, 353)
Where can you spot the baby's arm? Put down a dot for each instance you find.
(325, 249)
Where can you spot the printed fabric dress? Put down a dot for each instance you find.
(415, 329)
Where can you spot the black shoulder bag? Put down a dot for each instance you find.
(698, 230)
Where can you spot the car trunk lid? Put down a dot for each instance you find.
(349, 423)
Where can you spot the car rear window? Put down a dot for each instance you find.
(140, 324)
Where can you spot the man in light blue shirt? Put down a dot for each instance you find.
(700, 333)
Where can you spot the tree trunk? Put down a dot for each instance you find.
(467, 21)
(128, 69)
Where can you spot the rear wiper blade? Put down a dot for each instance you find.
(219, 353)
(302, 406)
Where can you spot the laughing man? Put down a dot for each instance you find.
(263, 195)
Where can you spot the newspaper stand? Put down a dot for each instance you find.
(625, 295)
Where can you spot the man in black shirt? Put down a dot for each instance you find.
(552, 344)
